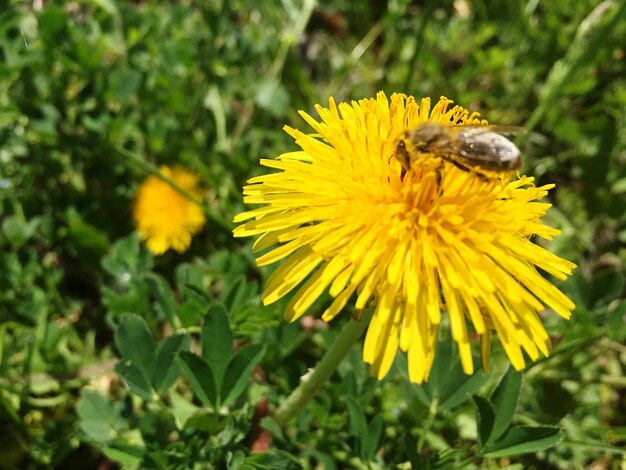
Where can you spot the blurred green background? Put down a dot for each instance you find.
(96, 94)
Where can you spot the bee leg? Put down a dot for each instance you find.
(460, 166)
(482, 177)
(439, 178)
(403, 157)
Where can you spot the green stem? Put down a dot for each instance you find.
(354, 57)
(587, 445)
(432, 412)
(153, 170)
(314, 380)
(467, 461)
(288, 40)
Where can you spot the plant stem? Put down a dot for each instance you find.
(590, 445)
(356, 54)
(289, 39)
(432, 412)
(313, 380)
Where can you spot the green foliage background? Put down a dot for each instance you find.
(108, 355)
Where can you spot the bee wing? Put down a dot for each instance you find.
(506, 130)
(517, 134)
(489, 149)
(497, 128)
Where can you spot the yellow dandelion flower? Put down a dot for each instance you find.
(164, 217)
(347, 218)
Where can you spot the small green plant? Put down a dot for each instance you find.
(113, 356)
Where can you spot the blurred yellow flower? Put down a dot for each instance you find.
(164, 217)
(346, 218)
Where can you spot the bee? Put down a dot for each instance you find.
(481, 150)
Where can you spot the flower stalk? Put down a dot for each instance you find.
(315, 378)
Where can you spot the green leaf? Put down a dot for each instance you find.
(460, 387)
(271, 460)
(422, 392)
(125, 83)
(239, 370)
(127, 257)
(207, 421)
(447, 382)
(616, 327)
(271, 425)
(578, 290)
(164, 296)
(128, 249)
(114, 266)
(428, 461)
(236, 460)
(504, 399)
(325, 461)
(17, 230)
(97, 416)
(200, 377)
(135, 343)
(167, 369)
(607, 286)
(523, 440)
(410, 445)
(217, 341)
(136, 378)
(193, 307)
(180, 407)
(371, 440)
(124, 454)
(87, 239)
(358, 423)
(485, 417)
(236, 294)
(51, 21)
(441, 366)
(191, 276)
